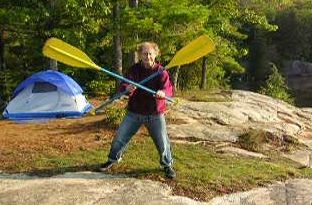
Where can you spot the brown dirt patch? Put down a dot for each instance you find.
(22, 141)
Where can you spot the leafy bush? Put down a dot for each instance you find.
(8, 82)
(100, 87)
(115, 115)
(276, 87)
(190, 76)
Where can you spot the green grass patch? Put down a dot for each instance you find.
(257, 140)
(201, 173)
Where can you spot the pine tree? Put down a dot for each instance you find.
(276, 87)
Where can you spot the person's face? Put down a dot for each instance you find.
(148, 56)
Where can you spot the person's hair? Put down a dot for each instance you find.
(149, 44)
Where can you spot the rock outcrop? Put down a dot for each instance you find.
(86, 188)
(292, 192)
(240, 112)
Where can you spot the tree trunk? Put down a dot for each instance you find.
(4, 92)
(134, 55)
(2, 63)
(134, 3)
(203, 81)
(117, 47)
(175, 78)
(2, 69)
(53, 64)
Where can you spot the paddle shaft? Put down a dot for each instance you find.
(119, 95)
(133, 83)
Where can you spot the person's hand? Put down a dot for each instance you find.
(130, 88)
(160, 94)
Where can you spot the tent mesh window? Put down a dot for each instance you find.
(43, 87)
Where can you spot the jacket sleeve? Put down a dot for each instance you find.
(167, 86)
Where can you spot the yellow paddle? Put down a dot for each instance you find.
(59, 50)
(196, 49)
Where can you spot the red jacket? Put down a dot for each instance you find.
(141, 101)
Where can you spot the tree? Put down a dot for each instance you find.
(117, 44)
(28, 27)
(2, 50)
(171, 24)
(135, 5)
(203, 81)
(276, 87)
(294, 32)
(52, 62)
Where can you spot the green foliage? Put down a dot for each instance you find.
(189, 77)
(295, 30)
(9, 81)
(2, 107)
(258, 57)
(100, 87)
(170, 23)
(232, 66)
(115, 115)
(29, 23)
(87, 24)
(276, 87)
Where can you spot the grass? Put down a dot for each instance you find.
(257, 141)
(201, 173)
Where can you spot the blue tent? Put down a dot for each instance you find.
(47, 94)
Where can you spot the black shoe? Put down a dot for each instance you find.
(104, 167)
(170, 173)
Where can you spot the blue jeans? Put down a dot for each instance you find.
(156, 126)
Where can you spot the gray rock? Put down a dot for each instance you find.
(303, 157)
(225, 121)
(292, 192)
(85, 188)
(239, 152)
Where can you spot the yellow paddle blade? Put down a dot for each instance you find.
(63, 52)
(196, 49)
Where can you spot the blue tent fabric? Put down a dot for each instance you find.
(41, 116)
(23, 105)
(60, 80)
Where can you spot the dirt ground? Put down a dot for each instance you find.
(61, 136)
(54, 137)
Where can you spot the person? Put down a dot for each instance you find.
(145, 109)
